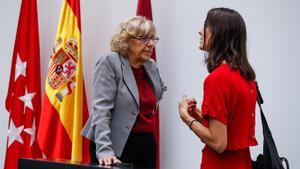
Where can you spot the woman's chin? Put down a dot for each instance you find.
(148, 55)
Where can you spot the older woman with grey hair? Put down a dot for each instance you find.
(126, 90)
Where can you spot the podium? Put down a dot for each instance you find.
(30, 163)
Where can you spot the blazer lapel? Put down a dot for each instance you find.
(129, 79)
(154, 78)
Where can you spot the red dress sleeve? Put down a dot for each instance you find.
(214, 99)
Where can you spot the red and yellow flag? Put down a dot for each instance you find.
(64, 110)
(24, 91)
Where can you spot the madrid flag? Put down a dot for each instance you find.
(144, 9)
(64, 110)
(24, 96)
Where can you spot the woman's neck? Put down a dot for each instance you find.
(136, 63)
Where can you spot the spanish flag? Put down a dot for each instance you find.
(64, 110)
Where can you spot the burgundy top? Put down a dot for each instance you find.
(145, 120)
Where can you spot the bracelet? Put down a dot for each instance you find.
(190, 125)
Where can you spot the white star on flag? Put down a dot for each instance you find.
(14, 133)
(20, 68)
(27, 99)
(31, 131)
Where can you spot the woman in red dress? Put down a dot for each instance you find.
(226, 121)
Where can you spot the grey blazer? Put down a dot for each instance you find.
(115, 104)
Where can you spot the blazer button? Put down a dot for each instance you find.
(251, 90)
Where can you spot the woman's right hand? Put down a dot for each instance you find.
(109, 160)
(197, 114)
(193, 110)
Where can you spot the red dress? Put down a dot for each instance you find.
(230, 99)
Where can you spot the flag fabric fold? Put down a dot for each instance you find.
(144, 9)
(24, 96)
(64, 110)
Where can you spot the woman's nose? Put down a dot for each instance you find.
(151, 42)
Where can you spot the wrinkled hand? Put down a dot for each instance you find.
(109, 160)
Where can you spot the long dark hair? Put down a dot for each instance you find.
(228, 41)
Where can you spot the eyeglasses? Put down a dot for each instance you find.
(146, 40)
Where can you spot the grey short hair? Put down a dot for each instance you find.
(131, 27)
